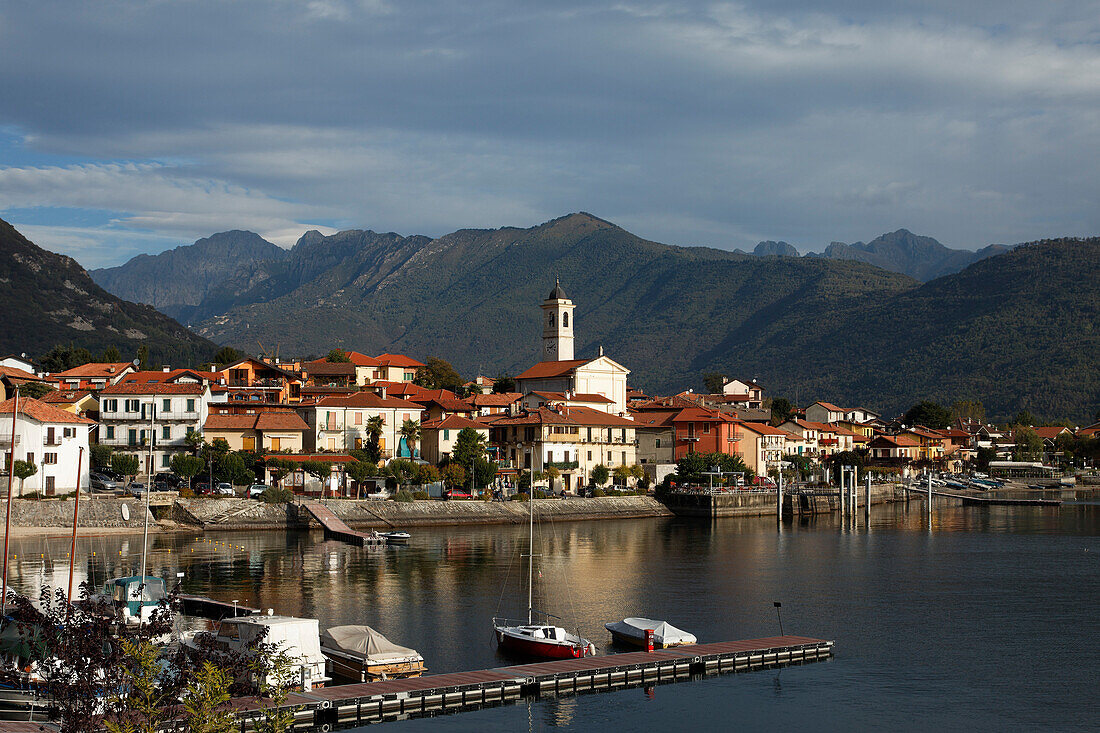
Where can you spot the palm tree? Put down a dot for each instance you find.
(374, 428)
(410, 431)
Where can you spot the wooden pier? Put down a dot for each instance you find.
(204, 607)
(373, 702)
(336, 529)
(972, 500)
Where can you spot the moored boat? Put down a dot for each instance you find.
(632, 631)
(396, 537)
(361, 654)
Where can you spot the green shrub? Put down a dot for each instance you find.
(403, 496)
(277, 495)
(598, 492)
(421, 495)
(518, 497)
(540, 494)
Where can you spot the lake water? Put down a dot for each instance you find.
(985, 623)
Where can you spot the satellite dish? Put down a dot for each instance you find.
(126, 512)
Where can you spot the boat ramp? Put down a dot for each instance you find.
(336, 529)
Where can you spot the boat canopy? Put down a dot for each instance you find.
(363, 641)
(663, 632)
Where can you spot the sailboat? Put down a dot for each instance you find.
(542, 640)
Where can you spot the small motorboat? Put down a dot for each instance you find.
(361, 654)
(298, 638)
(396, 537)
(632, 631)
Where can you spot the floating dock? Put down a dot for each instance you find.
(968, 499)
(373, 702)
(336, 529)
(204, 607)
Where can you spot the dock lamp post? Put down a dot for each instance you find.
(778, 615)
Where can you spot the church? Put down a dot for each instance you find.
(598, 383)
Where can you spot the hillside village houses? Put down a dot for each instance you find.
(54, 440)
(567, 413)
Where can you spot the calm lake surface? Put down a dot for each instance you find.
(988, 622)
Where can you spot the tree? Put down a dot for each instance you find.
(1023, 417)
(484, 472)
(194, 440)
(639, 475)
(427, 474)
(929, 414)
(35, 390)
(374, 428)
(469, 446)
(782, 410)
(100, 455)
(599, 474)
(204, 701)
(143, 357)
(338, 356)
(231, 467)
(410, 431)
(279, 468)
(360, 471)
(61, 358)
(453, 474)
(621, 474)
(186, 466)
(714, 382)
(692, 466)
(319, 470)
(504, 383)
(140, 705)
(968, 410)
(125, 464)
(1029, 446)
(402, 470)
(553, 474)
(111, 355)
(983, 456)
(226, 355)
(438, 374)
(23, 470)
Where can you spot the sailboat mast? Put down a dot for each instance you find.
(7, 519)
(149, 486)
(531, 540)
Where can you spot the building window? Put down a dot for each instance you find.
(166, 405)
(110, 405)
(110, 432)
(132, 437)
(166, 432)
(706, 428)
(51, 484)
(49, 458)
(658, 443)
(30, 458)
(550, 319)
(610, 460)
(565, 320)
(276, 444)
(165, 461)
(590, 455)
(191, 405)
(624, 458)
(446, 435)
(358, 418)
(132, 405)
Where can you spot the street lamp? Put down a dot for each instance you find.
(779, 605)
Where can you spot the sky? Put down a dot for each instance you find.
(130, 127)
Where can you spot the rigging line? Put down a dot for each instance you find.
(507, 573)
(568, 588)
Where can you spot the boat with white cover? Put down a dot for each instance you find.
(632, 631)
(361, 654)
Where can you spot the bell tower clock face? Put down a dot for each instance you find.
(549, 346)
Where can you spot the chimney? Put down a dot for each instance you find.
(165, 368)
(110, 370)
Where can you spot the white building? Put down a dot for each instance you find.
(141, 407)
(54, 440)
(339, 423)
(561, 373)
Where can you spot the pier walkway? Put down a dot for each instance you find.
(981, 500)
(371, 702)
(336, 529)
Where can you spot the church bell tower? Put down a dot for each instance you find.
(557, 326)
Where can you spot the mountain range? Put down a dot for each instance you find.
(1012, 329)
(48, 299)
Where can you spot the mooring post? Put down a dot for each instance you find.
(929, 500)
(840, 471)
(867, 506)
(779, 497)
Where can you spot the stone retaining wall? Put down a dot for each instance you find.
(94, 512)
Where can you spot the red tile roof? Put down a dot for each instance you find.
(153, 388)
(42, 412)
(325, 368)
(453, 422)
(763, 429)
(269, 420)
(368, 400)
(702, 414)
(549, 369)
(568, 416)
(301, 457)
(94, 370)
(69, 397)
(398, 360)
(1050, 432)
(830, 406)
(598, 399)
(654, 419)
(496, 399)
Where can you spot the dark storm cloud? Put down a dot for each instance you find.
(703, 123)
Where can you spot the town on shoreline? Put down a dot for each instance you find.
(389, 426)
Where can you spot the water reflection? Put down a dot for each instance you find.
(881, 592)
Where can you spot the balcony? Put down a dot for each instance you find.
(55, 441)
(5, 440)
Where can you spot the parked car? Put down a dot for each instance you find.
(110, 474)
(224, 489)
(169, 478)
(136, 488)
(201, 488)
(255, 491)
(104, 483)
(160, 485)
